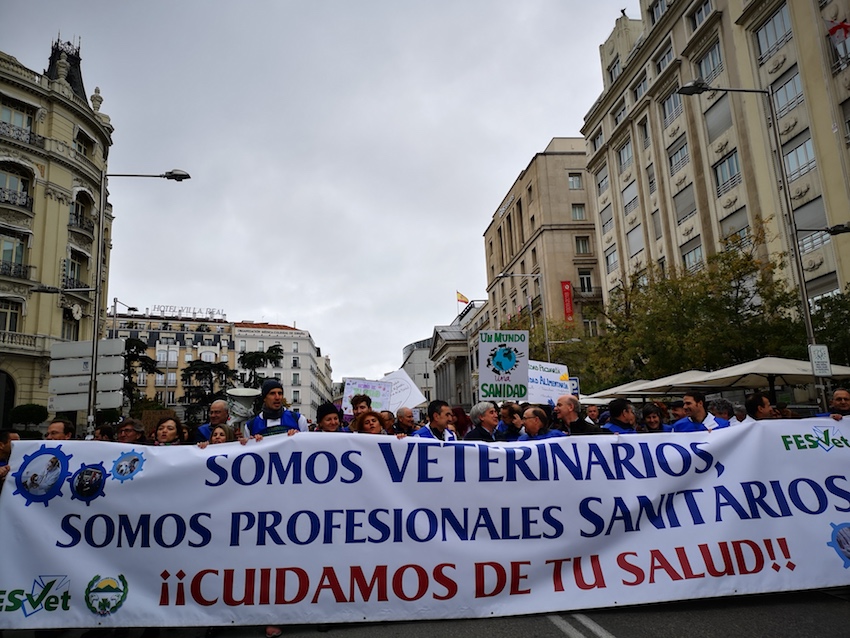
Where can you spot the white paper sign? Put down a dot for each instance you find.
(547, 381)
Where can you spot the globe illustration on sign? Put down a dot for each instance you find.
(503, 359)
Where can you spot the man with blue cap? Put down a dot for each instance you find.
(274, 417)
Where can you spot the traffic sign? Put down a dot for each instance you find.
(72, 385)
(819, 356)
(68, 367)
(72, 402)
(74, 349)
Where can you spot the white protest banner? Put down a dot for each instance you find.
(318, 528)
(405, 394)
(547, 381)
(379, 391)
(503, 364)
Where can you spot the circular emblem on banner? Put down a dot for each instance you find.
(42, 474)
(87, 483)
(841, 542)
(104, 596)
(126, 466)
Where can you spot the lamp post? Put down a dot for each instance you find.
(539, 277)
(699, 86)
(174, 175)
(115, 302)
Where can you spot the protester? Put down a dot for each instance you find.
(677, 410)
(219, 414)
(369, 422)
(513, 428)
(697, 418)
(327, 419)
(104, 433)
(438, 420)
(360, 403)
(60, 430)
(169, 431)
(404, 421)
(839, 406)
(651, 420)
(220, 434)
(131, 431)
(758, 406)
(6, 439)
(485, 419)
(274, 418)
(621, 417)
(537, 426)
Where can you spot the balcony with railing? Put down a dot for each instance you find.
(82, 223)
(21, 134)
(728, 185)
(17, 271)
(70, 282)
(16, 198)
(588, 292)
(18, 341)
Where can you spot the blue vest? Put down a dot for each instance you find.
(288, 421)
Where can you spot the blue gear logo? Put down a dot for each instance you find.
(841, 542)
(503, 359)
(87, 482)
(127, 466)
(42, 474)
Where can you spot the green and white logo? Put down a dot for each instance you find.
(104, 596)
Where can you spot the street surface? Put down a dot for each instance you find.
(816, 614)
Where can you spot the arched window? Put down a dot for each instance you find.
(15, 185)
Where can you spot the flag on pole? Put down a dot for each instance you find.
(838, 32)
(461, 298)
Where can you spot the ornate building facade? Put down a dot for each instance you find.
(54, 144)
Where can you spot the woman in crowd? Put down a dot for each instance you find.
(219, 434)
(651, 419)
(368, 423)
(169, 431)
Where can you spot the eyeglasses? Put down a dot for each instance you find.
(126, 431)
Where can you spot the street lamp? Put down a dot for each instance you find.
(539, 277)
(115, 302)
(698, 86)
(176, 175)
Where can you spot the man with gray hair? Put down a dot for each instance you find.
(484, 418)
(219, 413)
(723, 408)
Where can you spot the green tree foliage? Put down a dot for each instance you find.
(28, 414)
(831, 320)
(253, 361)
(136, 359)
(203, 383)
(733, 310)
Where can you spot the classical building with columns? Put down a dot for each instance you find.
(54, 143)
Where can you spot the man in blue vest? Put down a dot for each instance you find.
(274, 418)
(698, 419)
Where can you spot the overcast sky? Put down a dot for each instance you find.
(346, 156)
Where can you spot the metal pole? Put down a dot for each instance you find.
(791, 226)
(92, 403)
(545, 321)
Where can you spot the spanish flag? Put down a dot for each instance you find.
(461, 298)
